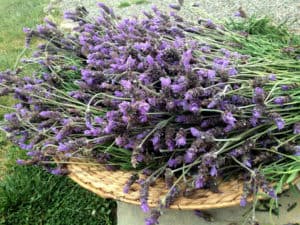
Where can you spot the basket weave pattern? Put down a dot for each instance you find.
(110, 184)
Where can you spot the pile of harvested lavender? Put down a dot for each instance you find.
(192, 102)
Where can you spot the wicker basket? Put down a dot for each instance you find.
(110, 184)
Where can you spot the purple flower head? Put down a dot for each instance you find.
(232, 71)
(296, 128)
(156, 139)
(175, 6)
(272, 193)
(144, 78)
(259, 91)
(56, 171)
(237, 14)
(172, 163)
(130, 62)
(165, 81)
(226, 52)
(213, 171)
(247, 162)
(296, 150)
(220, 64)
(177, 88)
(205, 49)
(181, 138)
(150, 60)
(199, 182)
(256, 113)
(21, 162)
(153, 219)
(272, 77)
(63, 147)
(99, 120)
(280, 123)
(209, 24)
(124, 107)
(194, 107)
(228, 118)
(195, 132)
(145, 207)
(143, 107)
(142, 46)
(126, 84)
(243, 201)
(120, 141)
(11, 117)
(186, 59)
(211, 74)
(190, 155)
(49, 114)
(281, 100)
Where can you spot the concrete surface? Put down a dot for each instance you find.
(133, 215)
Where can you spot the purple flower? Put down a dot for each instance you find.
(126, 84)
(256, 113)
(232, 71)
(181, 138)
(195, 132)
(194, 107)
(153, 219)
(165, 81)
(247, 162)
(296, 150)
(199, 182)
(177, 88)
(296, 128)
(56, 171)
(172, 163)
(213, 171)
(243, 201)
(63, 147)
(124, 107)
(279, 123)
(190, 155)
(259, 91)
(272, 77)
(228, 118)
(205, 49)
(143, 107)
(142, 46)
(99, 120)
(281, 100)
(209, 24)
(49, 114)
(174, 6)
(211, 74)
(156, 140)
(150, 60)
(237, 14)
(21, 162)
(186, 59)
(145, 207)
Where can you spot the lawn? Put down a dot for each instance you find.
(29, 195)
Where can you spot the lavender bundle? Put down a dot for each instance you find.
(182, 100)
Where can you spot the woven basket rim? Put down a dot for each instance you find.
(110, 184)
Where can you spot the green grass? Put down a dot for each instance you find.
(29, 195)
(125, 4)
